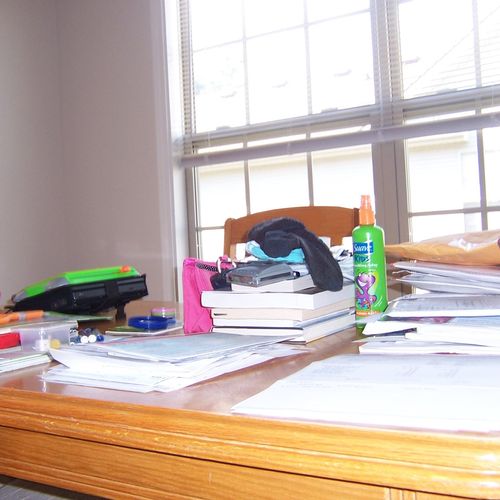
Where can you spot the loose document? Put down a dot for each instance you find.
(163, 364)
(438, 277)
(413, 391)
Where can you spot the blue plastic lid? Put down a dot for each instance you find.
(149, 322)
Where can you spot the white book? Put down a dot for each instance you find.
(307, 333)
(280, 313)
(277, 322)
(311, 298)
(290, 285)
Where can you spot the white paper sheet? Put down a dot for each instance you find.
(445, 305)
(426, 347)
(473, 325)
(423, 391)
(448, 284)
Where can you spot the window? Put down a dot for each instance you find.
(298, 102)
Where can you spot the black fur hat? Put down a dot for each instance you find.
(278, 237)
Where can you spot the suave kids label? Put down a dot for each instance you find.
(369, 263)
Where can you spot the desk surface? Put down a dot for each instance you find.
(186, 443)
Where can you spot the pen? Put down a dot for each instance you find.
(20, 316)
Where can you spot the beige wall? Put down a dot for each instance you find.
(32, 188)
(85, 169)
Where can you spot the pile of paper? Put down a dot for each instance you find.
(451, 278)
(163, 364)
(459, 314)
(14, 359)
(430, 323)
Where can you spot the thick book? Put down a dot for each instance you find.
(307, 333)
(277, 322)
(311, 298)
(280, 313)
(289, 285)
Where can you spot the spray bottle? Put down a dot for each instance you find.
(369, 263)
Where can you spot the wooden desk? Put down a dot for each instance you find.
(186, 444)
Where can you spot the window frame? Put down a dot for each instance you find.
(387, 119)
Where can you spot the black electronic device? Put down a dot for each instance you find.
(259, 273)
(84, 292)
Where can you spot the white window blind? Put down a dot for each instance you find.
(327, 88)
(269, 69)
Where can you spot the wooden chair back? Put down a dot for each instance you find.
(334, 222)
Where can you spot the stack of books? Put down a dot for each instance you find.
(292, 308)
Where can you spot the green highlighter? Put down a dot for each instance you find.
(84, 291)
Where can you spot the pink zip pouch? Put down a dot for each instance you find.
(197, 277)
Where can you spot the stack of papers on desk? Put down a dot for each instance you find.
(408, 346)
(162, 364)
(438, 322)
(458, 393)
(451, 278)
(444, 305)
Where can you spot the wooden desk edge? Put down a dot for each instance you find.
(466, 465)
(453, 464)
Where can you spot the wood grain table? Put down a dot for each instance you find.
(187, 444)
